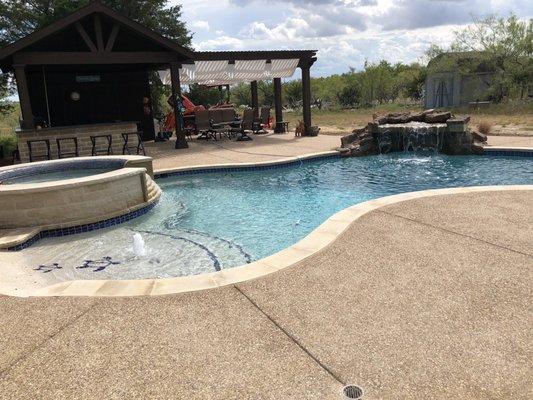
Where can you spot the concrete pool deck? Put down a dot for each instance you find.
(427, 298)
(267, 147)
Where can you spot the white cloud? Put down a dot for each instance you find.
(200, 24)
(345, 32)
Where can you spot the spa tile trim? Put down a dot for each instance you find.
(73, 230)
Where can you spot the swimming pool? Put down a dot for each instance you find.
(211, 221)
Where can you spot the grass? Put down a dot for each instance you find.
(508, 114)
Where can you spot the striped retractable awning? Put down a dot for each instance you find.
(222, 72)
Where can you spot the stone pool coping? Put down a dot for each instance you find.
(280, 162)
(127, 161)
(316, 241)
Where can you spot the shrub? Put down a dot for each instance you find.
(484, 127)
(8, 143)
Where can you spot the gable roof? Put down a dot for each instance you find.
(94, 7)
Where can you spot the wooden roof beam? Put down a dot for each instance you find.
(83, 33)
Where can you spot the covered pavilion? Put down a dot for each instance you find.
(89, 71)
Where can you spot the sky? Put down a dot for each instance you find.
(345, 32)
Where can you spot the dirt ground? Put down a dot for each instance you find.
(505, 120)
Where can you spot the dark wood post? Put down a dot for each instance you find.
(255, 99)
(181, 141)
(306, 95)
(220, 93)
(24, 97)
(279, 128)
(228, 93)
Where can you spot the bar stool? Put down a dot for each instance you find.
(65, 142)
(46, 156)
(95, 151)
(138, 148)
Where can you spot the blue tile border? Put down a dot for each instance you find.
(73, 230)
(259, 167)
(507, 153)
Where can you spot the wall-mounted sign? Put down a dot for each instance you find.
(87, 78)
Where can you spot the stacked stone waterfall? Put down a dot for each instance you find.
(428, 131)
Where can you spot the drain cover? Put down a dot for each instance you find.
(352, 392)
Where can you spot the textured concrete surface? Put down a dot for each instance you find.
(206, 345)
(409, 302)
(262, 148)
(484, 217)
(511, 141)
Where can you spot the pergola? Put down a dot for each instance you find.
(224, 68)
(108, 55)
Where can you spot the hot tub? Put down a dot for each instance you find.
(60, 197)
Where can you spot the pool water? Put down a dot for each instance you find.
(55, 176)
(207, 222)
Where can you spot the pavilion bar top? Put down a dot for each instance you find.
(83, 134)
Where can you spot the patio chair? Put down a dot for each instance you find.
(203, 125)
(263, 121)
(217, 122)
(247, 124)
(228, 114)
(216, 115)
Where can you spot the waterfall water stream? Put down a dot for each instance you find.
(412, 136)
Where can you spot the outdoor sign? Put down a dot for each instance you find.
(87, 78)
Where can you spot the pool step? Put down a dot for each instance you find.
(152, 189)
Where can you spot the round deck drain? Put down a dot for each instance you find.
(352, 392)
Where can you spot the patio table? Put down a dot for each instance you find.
(234, 123)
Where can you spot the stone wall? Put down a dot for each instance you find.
(82, 132)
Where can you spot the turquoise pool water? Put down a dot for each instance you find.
(211, 221)
(54, 176)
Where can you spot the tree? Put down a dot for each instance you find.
(350, 94)
(19, 18)
(205, 96)
(377, 82)
(265, 91)
(241, 94)
(409, 80)
(504, 46)
(293, 93)
(5, 90)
